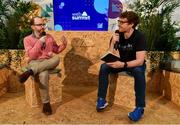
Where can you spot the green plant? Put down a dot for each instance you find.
(4, 9)
(23, 33)
(156, 23)
(3, 36)
(167, 40)
(15, 22)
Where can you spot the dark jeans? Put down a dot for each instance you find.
(139, 79)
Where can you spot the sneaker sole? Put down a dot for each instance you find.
(133, 119)
(130, 117)
(102, 108)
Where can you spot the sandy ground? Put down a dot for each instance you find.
(78, 106)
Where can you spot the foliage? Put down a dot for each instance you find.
(156, 23)
(4, 12)
(14, 22)
(24, 33)
(3, 37)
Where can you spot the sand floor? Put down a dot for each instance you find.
(78, 106)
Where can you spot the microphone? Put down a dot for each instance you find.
(116, 44)
(44, 44)
(43, 33)
(117, 31)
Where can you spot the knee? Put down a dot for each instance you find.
(104, 67)
(57, 59)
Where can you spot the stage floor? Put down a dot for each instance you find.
(78, 106)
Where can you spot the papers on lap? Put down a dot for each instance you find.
(110, 57)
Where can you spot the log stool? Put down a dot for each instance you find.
(55, 89)
(123, 91)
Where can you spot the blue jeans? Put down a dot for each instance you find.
(139, 79)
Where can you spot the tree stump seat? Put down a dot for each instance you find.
(55, 89)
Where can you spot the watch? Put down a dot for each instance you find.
(125, 64)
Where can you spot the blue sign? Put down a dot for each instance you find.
(81, 15)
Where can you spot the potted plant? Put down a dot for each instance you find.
(156, 23)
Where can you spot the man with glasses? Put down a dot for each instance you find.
(39, 48)
(131, 45)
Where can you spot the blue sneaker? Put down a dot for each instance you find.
(101, 104)
(136, 114)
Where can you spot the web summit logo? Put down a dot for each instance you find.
(79, 16)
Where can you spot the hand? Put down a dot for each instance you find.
(64, 40)
(116, 64)
(43, 39)
(115, 38)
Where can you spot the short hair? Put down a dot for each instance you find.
(131, 16)
(32, 20)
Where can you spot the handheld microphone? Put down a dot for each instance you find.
(116, 44)
(117, 31)
(44, 44)
(43, 33)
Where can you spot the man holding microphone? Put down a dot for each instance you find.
(39, 48)
(131, 45)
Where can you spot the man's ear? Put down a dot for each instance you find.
(132, 24)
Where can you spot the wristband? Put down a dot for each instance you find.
(125, 64)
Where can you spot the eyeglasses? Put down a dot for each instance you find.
(121, 22)
(41, 24)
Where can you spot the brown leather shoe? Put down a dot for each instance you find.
(47, 109)
(23, 77)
